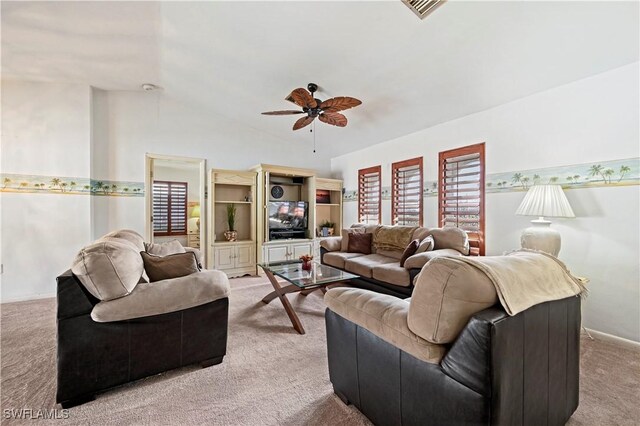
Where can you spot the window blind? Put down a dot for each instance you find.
(169, 208)
(406, 192)
(369, 195)
(461, 193)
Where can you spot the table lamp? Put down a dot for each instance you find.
(543, 201)
(195, 213)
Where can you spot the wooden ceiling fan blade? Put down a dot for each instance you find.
(302, 122)
(285, 112)
(340, 103)
(302, 97)
(333, 118)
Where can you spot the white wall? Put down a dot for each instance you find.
(156, 122)
(70, 130)
(78, 131)
(139, 123)
(45, 131)
(591, 120)
(190, 175)
(99, 154)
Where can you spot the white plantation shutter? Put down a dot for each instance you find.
(369, 195)
(461, 193)
(406, 192)
(160, 207)
(169, 208)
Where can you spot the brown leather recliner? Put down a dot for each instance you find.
(461, 359)
(113, 330)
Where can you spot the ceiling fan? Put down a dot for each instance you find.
(326, 111)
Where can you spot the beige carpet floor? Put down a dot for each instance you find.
(270, 376)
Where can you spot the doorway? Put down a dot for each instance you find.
(175, 200)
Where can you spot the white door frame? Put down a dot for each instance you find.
(149, 160)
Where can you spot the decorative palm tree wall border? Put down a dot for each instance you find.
(586, 175)
(611, 173)
(69, 185)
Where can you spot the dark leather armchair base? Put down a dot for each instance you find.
(520, 370)
(93, 356)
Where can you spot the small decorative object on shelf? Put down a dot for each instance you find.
(306, 262)
(327, 228)
(323, 196)
(231, 234)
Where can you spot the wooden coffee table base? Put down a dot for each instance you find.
(281, 292)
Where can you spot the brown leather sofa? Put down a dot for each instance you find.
(452, 355)
(114, 327)
(381, 271)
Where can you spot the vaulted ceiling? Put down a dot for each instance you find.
(236, 59)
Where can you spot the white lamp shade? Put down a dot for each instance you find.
(545, 200)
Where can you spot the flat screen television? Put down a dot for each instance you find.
(288, 215)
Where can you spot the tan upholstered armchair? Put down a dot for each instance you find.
(115, 327)
(452, 354)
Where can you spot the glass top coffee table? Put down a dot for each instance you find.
(300, 281)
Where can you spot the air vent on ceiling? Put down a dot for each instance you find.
(423, 8)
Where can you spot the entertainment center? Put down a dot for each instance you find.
(278, 213)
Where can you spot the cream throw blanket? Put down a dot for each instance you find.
(524, 278)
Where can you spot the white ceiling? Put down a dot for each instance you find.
(236, 59)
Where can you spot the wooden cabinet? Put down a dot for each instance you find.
(291, 250)
(275, 253)
(245, 256)
(293, 185)
(300, 249)
(324, 200)
(223, 257)
(328, 208)
(237, 189)
(235, 259)
(329, 191)
(229, 187)
(329, 184)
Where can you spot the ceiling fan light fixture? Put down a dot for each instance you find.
(326, 111)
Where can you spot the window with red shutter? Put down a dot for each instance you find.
(461, 193)
(169, 208)
(369, 195)
(406, 192)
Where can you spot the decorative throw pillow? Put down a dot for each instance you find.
(108, 269)
(172, 266)
(453, 238)
(359, 243)
(346, 233)
(409, 251)
(127, 234)
(426, 244)
(164, 249)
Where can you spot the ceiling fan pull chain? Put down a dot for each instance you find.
(314, 137)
